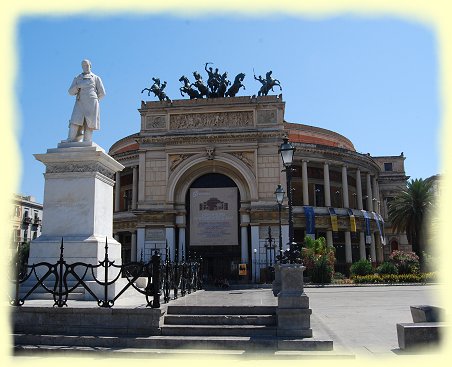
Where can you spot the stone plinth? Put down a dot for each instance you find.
(276, 285)
(293, 310)
(78, 205)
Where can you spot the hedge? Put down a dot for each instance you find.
(394, 278)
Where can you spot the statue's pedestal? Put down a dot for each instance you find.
(276, 285)
(293, 312)
(78, 206)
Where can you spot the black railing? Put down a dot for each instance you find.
(60, 279)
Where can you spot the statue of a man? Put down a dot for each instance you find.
(85, 117)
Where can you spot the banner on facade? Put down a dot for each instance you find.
(333, 218)
(367, 227)
(310, 220)
(213, 216)
(379, 219)
(352, 221)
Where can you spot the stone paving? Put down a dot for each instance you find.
(361, 320)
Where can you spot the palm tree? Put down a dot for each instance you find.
(408, 212)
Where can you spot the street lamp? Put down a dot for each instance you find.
(279, 194)
(287, 151)
(255, 265)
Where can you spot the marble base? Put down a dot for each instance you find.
(293, 310)
(78, 205)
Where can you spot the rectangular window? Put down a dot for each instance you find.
(388, 167)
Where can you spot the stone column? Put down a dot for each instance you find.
(345, 187)
(142, 176)
(373, 253)
(304, 174)
(329, 238)
(255, 257)
(326, 184)
(117, 191)
(359, 190)
(134, 187)
(244, 238)
(327, 192)
(362, 246)
(369, 193)
(378, 248)
(348, 247)
(182, 244)
(133, 252)
(170, 238)
(375, 194)
(140, 244)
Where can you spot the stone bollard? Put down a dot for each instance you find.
(293, 312)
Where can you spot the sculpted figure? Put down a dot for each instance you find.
(199, 84)
(267, 84)
(232, 91)
(88, 89)
(157, 89)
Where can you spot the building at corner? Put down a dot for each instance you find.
(201, 174)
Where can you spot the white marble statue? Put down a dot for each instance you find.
(85, 118)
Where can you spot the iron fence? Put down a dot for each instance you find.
(60, 279)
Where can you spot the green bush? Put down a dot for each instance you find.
(361, 267)
(387, 268)
(405, 262)
(394, 278)
(322, 272)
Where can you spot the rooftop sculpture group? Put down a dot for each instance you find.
(217, 85)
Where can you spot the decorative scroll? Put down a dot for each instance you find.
(310, 221)
(211, 120)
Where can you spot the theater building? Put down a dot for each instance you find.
(201, 174)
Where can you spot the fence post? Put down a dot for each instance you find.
(156, 279)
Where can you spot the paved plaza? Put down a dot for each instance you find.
(359, 319)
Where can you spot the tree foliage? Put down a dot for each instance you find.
(409, 209)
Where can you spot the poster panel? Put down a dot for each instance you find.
(213, 216)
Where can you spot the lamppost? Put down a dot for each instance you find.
(255, 265)
(287, 151)
(279, 194)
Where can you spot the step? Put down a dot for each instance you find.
(74, 296)
(267, 344)
(188, 354)
(267, 320)
(221, 310)
(218, 330)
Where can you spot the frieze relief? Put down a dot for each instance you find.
(175, 160)
(155, 122)
(266, 116)
(245, 157)
(82, 167)
(211, 120)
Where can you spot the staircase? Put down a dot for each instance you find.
(232, 327)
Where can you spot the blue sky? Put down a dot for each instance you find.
(373, 80)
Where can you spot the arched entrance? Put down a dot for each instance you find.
(213, 226)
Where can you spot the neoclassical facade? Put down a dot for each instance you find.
(228, 148)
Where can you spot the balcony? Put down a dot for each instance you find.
(27, 220)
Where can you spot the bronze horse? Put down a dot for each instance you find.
(157, 89)
(233, 90)
(188, 89)
(267, 84)
(203, 90)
